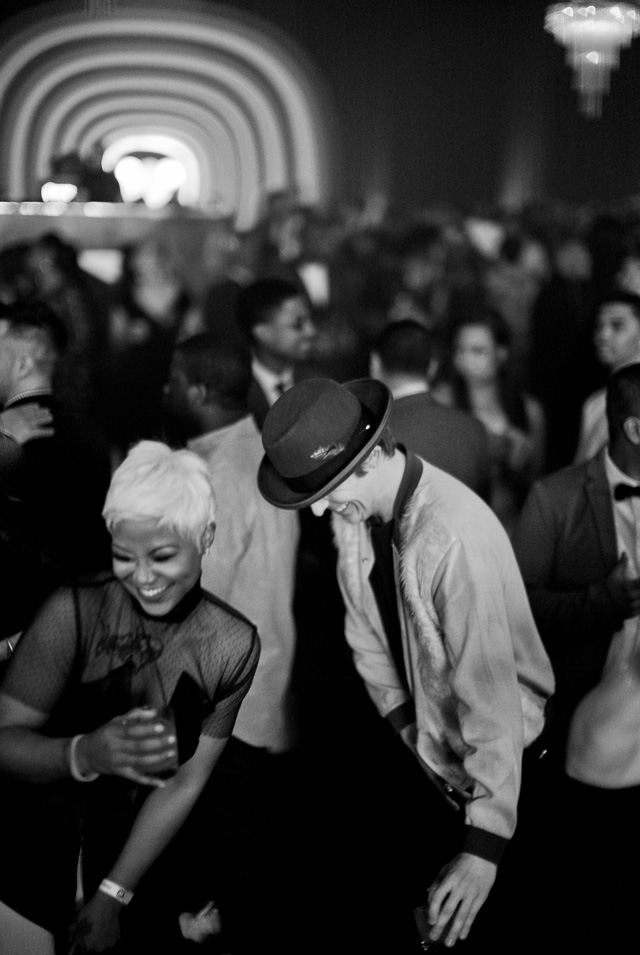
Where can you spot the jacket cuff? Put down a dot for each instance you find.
(487, 845)
(402, 716)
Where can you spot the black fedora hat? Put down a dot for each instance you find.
(316, 434)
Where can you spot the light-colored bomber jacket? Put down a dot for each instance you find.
(477, 670)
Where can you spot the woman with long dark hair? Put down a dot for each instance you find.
(477, 379)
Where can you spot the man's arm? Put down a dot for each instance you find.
(479, 599)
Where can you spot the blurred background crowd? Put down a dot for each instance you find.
(509, 299)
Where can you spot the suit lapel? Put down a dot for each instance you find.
(258, 403)
(600, 501)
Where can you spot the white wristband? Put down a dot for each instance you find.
(73, 763)
(115, 891)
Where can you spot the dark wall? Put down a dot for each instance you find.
(463, 100)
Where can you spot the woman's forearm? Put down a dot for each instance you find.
(32, 757)
(163, 814)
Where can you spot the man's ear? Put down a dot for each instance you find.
(631, 429)
(197, 395)
(372, 460)
(207, 538)
(23, 367)
(261, 332)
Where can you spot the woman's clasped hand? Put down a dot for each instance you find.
(133, 746)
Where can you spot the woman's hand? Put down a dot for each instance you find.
(97, 928)
(134, 746)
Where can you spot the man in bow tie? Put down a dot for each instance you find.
(578, 546)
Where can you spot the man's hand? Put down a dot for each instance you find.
(27, 422)
(457, 895)
(624, 592)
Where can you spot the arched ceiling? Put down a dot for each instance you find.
(243, 98)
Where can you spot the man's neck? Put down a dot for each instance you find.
(271, 362)
(627, 458)
(214, 418)
(389, 477)
(402, 386)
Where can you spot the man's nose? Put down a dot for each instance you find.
(319, 507)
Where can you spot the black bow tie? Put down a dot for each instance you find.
(622, 491)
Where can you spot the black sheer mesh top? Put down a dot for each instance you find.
(92, 653)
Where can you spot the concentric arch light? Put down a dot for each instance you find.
(241, 97)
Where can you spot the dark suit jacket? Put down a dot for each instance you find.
(450, 439)
(565, 543)
(257, 403)
(51, 499)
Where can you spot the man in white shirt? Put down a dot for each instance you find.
(251, 567)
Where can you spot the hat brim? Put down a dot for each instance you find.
(376, 397)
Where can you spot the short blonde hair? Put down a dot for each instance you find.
(156, 482)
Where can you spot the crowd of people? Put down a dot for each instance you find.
(321, 587)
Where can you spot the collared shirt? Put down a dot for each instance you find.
(626, 515)
(272, 383)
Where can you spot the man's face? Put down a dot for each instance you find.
(289, 333)
(7, 361)
(617, 335)
(353, 500)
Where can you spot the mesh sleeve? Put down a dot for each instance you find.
(244, 652)
(42, 664)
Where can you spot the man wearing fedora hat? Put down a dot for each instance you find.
(440, 627)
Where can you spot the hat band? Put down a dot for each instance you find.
(317, 479)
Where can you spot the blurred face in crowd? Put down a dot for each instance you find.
(8, 358)
(155, 564)
(47, 276)
(617, 335)
(288, 336)
(628, 277)
(476, 356)
(572, 261)
(421, 270)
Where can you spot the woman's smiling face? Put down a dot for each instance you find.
(155, 564)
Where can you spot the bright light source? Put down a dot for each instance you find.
(58, 192)
(155, 181)
(131, 176)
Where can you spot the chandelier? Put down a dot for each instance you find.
(593, 35)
